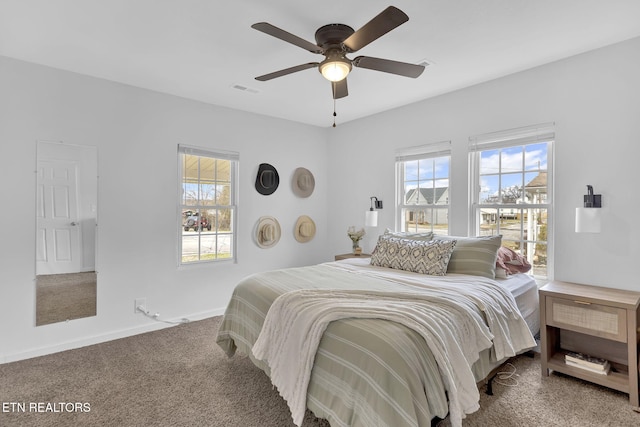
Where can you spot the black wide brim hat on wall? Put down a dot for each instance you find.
(267, 180)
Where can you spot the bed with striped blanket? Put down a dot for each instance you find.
(335, 339)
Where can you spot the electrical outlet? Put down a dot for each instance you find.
(139, 302)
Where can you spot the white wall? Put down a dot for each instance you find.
(593, 99)
(136, 133)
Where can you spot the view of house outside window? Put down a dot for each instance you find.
(207, 206)
(513, 198)
(424, 192)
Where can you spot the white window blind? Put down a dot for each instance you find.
(436, 149)
(511, 137)
(219, 154)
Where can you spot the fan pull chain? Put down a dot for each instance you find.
(334, 112)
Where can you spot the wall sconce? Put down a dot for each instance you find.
(588, 218)
(371, 216)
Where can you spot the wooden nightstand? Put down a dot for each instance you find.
(601, 322)
(346, 256)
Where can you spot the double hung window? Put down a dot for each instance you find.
(511, 173)
(207, 205)
(423, 188)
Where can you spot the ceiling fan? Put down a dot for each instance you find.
(335, 41)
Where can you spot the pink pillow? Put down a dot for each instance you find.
(511, 261)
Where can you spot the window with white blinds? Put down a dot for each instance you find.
(423, 188)
(512, 190)
(207, 205)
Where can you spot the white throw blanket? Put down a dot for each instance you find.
(450, 323)
(480, 290)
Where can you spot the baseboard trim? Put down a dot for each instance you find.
(109, 336)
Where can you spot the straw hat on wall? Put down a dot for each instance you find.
(267, 232)
(305, 229)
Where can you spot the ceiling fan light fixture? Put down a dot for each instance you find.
(335, 69)
(335, 41)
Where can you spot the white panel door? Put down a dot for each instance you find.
(59, 232)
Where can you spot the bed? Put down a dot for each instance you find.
(370, 370)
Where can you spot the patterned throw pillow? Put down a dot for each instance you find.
(417, 256)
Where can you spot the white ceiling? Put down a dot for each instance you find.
(200, 49)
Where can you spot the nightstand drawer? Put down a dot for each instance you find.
(588, 318)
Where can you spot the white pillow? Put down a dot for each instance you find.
(411, 235)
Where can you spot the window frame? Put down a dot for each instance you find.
(427, 152)
(234, 159)
(503, 140)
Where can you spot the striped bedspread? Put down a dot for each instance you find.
(372, 371)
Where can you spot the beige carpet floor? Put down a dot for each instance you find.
(180, 377)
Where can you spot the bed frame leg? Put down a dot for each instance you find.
(489, 389)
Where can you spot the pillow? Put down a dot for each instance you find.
(501, 273)
(426, 236)
(474, 255)
(511, 261)
(417, 256)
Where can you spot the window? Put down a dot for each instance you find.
(207, 205)
(512, 190)
(423, 188)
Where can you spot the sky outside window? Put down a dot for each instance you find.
(504, 170)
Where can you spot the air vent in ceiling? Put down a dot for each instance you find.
(425, 62)
(245, 88)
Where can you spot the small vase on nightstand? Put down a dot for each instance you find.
(355, 236)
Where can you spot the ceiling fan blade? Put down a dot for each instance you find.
(339, 89)
(386, 21)
(276, 32)
(389, 66)
(286, 71)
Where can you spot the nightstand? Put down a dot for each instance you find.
(600, 322)
(346, 256)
